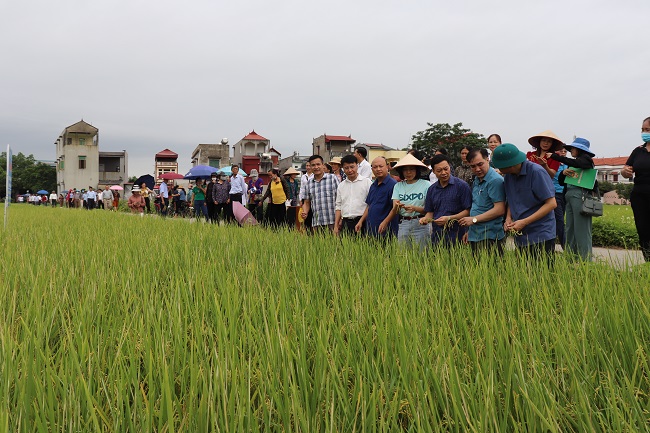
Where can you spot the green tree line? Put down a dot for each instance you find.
(27, 175)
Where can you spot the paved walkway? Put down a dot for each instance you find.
(618, 258)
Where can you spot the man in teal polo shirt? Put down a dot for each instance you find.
(485, 220)
(531, 201)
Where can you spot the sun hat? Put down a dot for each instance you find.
(580, 143)
(535, 139)
(291, 171)
(410, 160)
(136, 188)
(254, 173)
(507, 155)
(336, 160)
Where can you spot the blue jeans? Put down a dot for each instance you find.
(199, 207)
(412, 233)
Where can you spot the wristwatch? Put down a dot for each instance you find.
(474, 220)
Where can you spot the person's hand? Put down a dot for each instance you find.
(228, 201)
(541, 161)
(382, 227)
(408, 208)
(441, 221)
(516, 226)
(465, 238)
(507, 224)
(466, 221)
(627, 171)
(337, 229)
(358, 227)
(570, 173)
(424, 221)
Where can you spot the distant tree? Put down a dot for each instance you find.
(132, 179)
(605, 187)
(624, 190)
(443, 135)
(28, 175)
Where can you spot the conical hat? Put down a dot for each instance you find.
(409, 160)
(557, 143)
(290, 171)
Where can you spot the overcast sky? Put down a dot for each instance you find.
(169, 74)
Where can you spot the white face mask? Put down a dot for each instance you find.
(214, 179)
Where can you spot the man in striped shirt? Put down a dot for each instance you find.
(320, 195)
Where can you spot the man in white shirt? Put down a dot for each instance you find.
(351, 196)
(164, 197)
(238, 190)
(53, 198)
(107, 198)
(364, 166)
(91, 198)
(304, 180)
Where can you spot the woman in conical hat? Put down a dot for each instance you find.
(408, 201)
(545, 144)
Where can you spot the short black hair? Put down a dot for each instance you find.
(275, 171)
(315, 157)
(361, 151)
(442, 150)
(349, 159)
(474, 152)
(438, 159)
(419, 155)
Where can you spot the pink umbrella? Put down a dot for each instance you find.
(243, 215)
(116, 188)
(171, 175)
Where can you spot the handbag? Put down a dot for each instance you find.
(591, 205)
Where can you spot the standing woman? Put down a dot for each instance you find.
(278, 191)
(578, 226)
(294, 192)
(638, 165)
(463, 171)
(545, 144)
(494, 141)
(198, 199)
(408, 202)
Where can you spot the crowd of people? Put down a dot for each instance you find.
(420, 201)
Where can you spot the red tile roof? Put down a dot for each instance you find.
(254, 136)
(618, 160)
(166, 154)
(339, 138)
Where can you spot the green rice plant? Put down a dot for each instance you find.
(116, 322)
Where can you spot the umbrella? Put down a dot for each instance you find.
(116, 188)
(228, 171)
(243, 215)
(170, 175)
(147, 179)
(200, 171)
(42, 192)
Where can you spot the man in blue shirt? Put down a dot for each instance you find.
(531, 201)
(380, 203)
(448, 200)
(485, 220)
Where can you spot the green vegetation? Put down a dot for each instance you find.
(615, 228)
(27, 174)
(113, 322)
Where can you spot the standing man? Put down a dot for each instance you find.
(107, 198)
(53, 198)
(164, 197)
(531, 201)
(208, 195)
(485, 220)
(304, 181)
(351, 197)
(448, 200)
(364, 167)
(377, 216)
(320, 195)
(237, 189)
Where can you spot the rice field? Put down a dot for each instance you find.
(112, 322)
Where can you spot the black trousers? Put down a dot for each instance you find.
(218, 209)
(559, 218)
(349, 224)
(276, 214)
(212, 216)
(541, 250)
(147, 203)
(641, 209)
(491, 245)
(233, 197)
